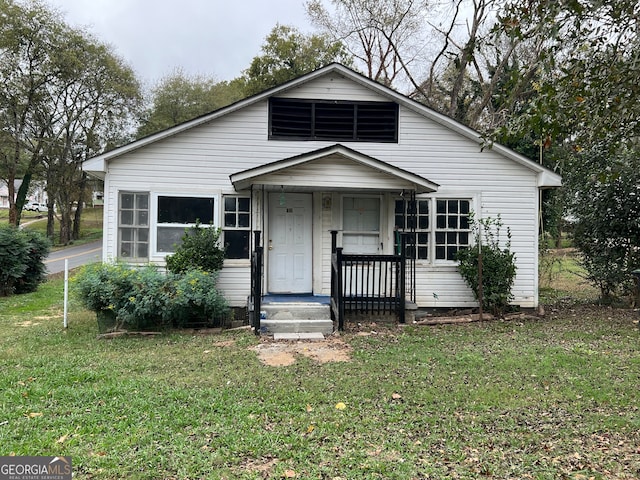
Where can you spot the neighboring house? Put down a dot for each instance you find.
(331, 150)
(38, 193)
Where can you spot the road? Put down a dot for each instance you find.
(77, 256)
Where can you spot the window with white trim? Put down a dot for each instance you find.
(175, 214)
(361, 225)
(133, 225)
(412, 217)
(236, 226)
(452, 229)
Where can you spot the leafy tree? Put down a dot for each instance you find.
(606, 206)
(90, 105)
(27, 65)
(179, 97)
(287, 54)
(63, 97)
(587, 85)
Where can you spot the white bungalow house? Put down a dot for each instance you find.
(331, 150)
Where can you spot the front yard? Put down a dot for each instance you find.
(551, 398)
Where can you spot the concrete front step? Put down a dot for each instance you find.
(296, 317)
(297, 311)
(272, 326)
(296, 326)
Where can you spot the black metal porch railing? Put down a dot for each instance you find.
(255, 299)
(369, 284)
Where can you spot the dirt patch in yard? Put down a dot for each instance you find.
(282, 353)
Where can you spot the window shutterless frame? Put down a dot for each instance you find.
(133, 226)
(437, 227)
(236, 226)
(173, 213)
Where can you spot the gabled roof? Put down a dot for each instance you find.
(365, 172)
(546, 177)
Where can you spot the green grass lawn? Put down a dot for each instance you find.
(553, 398)
(564, 279)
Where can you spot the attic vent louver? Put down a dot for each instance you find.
(293, 119)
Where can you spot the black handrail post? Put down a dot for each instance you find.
(403, 272)
(256, 281)
(334, 276)
(339, 293)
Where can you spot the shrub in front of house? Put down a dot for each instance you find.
(196, 299)
(22, 254)
(498, 266)
(199, 249)
(144, 298)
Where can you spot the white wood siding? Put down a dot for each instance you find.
(202, 158)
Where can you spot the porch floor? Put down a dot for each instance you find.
(295, 298)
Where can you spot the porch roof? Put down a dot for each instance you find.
(332, 168)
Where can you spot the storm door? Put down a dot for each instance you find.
(289, 243)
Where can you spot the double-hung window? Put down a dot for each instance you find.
(435, 228)
(412, 217)
(237, 225)
(133, 226)
(175, 214)
(452, 227)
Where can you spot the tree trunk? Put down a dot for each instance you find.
(78, 214)
(65, 225)
(51, 219)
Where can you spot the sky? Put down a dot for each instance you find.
(215, 38)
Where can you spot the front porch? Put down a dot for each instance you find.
(325, 224)
(362, 286)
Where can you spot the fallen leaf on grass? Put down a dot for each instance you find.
(62, 439)
(34, 414)
(340, 406)
(289, 474)
(309, 408)
(396, 396)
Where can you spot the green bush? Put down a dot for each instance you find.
(144, 298)
(498, 266)
(200, 249)
(196, 298)
(38, 247)
(606, 209)
(22, 255)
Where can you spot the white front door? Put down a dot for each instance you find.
(289, 243)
